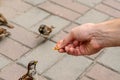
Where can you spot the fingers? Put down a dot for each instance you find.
(66, 40)
(75, 43)
(71, 49)
(61, 50)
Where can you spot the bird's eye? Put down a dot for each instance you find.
(41, 29)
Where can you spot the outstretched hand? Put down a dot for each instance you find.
(80, 41)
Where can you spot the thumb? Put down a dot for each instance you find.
(66, 40)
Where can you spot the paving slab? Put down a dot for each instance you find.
(85, 78)
(13, 8)
(99, 72)
(69, 27)
(4, 61)
(12, 49)
(90, 3)
(35, 2)
(22, 45)
(69, 68)
(59, 10)
(57, 22)
(61, 35)
(26, 37)
(17, 72)
(12, 72)
(45, 55)
(112, 3)
(94, 56)
(92, 16)
(73, 5)
(111, 58)
(108, 10)
(30, 18)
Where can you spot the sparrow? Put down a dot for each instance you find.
(45, 30)
(31, 72)
(3, 33)
(3, 21)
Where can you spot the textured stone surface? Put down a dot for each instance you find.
(112, 3)
(35, 2)
(90, 3)
(69, 27)
(73, 5)
(12, 8)
(42, 78)
(111, 58)
(3, 61)
(45, 55)
(99, 72)
(69, 68)
(85, 78)
(108, 10)
(55, 21)
(30, 18)
(60, 11)
(94, 56)
(92, 16)
(26, 35)
(61, 35)
(12, 49)
(22, 45)
(17, 72)
(12, 72)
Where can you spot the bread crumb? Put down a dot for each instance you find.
(56, 48)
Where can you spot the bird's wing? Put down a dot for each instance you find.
(26, 77)
(3, 18)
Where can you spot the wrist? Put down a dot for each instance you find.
(107, 33)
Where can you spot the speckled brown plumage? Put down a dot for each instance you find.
(31, 72)
(3, 33)
(26, 77)
(4, 22)
(45, 30)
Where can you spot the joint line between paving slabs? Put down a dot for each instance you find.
(54, 64)
(86, 70)
(110, 6)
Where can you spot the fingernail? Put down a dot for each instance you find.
(60, 43)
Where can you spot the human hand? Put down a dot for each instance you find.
(80, 41)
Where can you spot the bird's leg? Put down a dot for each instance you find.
(52, 27)
(46, 38)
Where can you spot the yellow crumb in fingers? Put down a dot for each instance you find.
(56, 48)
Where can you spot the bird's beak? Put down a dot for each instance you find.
(36, 62)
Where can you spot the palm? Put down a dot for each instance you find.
(89, 47)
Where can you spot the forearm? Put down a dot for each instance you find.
(109, 32)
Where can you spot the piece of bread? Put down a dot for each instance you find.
(56, 48)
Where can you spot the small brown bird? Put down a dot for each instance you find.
(3, 33)
(31, 73)
(45, 30)
(3, 21)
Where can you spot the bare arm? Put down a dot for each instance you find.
(109, 33)
(90, 38)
